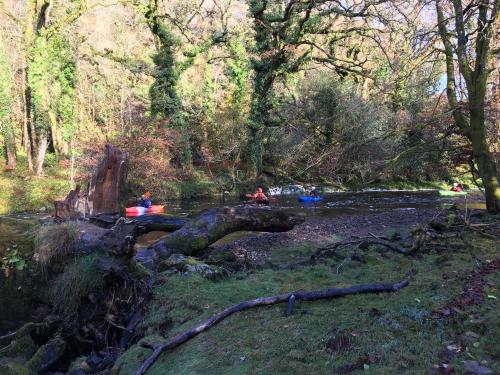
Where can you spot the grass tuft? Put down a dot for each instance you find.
(55, 241)
(77, 281)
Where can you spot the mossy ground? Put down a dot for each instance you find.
(22, 191)
(387, 333)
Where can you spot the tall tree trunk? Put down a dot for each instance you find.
(43, 143)
(26, 118)
(476, 80)
(484, 159)
(9, 146)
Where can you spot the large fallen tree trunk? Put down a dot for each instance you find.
(263, 301)
(213, 224)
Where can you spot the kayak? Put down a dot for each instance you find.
(137, 211)
(449, 193)
(306, 198)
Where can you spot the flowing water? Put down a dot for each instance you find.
(337, 204)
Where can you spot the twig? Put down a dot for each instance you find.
(263, 301)
(366, 241)
(291, 304)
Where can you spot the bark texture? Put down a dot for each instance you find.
(108, 182)
(68, 208)
(213, 224)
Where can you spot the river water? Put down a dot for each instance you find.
(338, 204)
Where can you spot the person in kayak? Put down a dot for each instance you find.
(258, 196)
(145, 200)
(313, 192)
(456, 187)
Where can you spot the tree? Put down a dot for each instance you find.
(52, 81)
(289, 34)
(466, 35)
(6, 102)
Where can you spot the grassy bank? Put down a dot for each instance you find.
(22, 191)
(395, 333)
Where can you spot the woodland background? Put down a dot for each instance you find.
(231, 92)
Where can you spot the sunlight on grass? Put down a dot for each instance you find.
(390, 333)
(21, 191)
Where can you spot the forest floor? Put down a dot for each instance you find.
(22, 191)
(446, 321)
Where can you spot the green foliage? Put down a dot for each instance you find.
(12, 260)
(239, 70)
(163, 94)
(52, 79)
(6, 99)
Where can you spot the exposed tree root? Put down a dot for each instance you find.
(27, 329)
(264, 301)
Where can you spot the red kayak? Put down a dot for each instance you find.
(138, 211)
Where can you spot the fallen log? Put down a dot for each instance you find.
(264, 301)
(213, 224)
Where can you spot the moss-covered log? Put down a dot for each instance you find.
(213, 224)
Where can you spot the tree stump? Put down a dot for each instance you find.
(108, 182)
(68, 208)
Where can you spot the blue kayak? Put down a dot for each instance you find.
(306, 198)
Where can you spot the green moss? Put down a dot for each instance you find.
(132, 359)
(78, 363)
(23, 347)
(137, 269)
(13, 368)
(47, 354)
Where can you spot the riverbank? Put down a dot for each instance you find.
(447, 314)
(444, 322)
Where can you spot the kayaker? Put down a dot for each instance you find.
(145, 200)
(456, 187)
(313, 192)
(258, 196)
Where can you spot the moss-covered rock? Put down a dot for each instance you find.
(133, 357)
(14, 368)
(47, 355)
(189, 265)
(23, 347)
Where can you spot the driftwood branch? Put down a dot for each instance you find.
(263, 301)
(364, 242)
